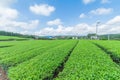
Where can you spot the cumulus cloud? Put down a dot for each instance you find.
(115, 20)
(42, 9)
(101, 11)
(8, 13)
(79, 29)
(9, 16)
(109, 27)
(61, 30)
(6, 3)
(26, 25)
(82, 15)
(88, 1)
(15, 26)
(54, 22)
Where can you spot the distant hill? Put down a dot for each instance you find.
(111, 36)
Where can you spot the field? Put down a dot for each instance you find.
(9, 38)
(60, 60)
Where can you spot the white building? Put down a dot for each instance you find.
(74, 37)
(94, 37)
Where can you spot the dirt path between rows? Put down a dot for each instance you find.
(3, 75)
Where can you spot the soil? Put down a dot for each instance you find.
(3, 75)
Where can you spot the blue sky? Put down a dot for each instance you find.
(60, 17)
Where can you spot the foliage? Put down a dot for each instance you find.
(88, 62)
(111, 46)
(38, 59)
(33, 59)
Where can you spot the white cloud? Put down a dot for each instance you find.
(79, 29)
(17, 26)
(105, 1)
(61, 30)
(26, 25)
(42, 9)
(115, 20)
(54, 22)
(6, 3)
(8, 13)
(88, 1)
(110, 27)
(82, 15)
(9, 16)
(101, 11)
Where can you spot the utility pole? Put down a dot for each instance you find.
(97, 24)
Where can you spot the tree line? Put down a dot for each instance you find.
(5, 33)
